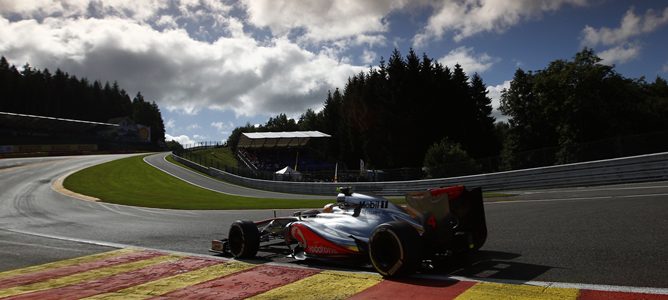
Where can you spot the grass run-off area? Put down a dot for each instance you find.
(131, 181)
(218, 157)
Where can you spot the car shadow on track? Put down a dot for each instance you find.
(483, 265)
(489, 265)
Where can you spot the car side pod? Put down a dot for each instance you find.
(395, 249)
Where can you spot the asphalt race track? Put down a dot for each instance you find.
(614, 235)
(192, 177)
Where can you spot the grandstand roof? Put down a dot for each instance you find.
(278, 139)
(14, 120)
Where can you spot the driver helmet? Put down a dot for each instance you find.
(328, 208)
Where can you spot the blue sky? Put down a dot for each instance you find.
(214, 65)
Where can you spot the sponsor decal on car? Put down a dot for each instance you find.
(314, 243)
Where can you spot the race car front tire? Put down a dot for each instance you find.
(243, 239)
(395, 249)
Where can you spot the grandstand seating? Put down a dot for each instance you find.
(274, 159)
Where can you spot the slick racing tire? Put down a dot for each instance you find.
(243, 239)
(395, 249)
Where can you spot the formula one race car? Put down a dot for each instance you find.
(397, 240)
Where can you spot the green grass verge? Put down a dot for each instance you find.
(219, 158)
(131, 181)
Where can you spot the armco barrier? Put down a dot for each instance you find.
(642, 168)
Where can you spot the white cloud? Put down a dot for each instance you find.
(631, 26)
(323, 20)
(138, 10)
(182, 139)
(167, 22)
(620, 54)
(42, 7)
(470, 61)
(469, 17)
(665, 68)
(193, 127)
(144, 11)
(200, 137)
(203, 7)
(170, 124)
(495, 95)
(223, 127)
(235, 72)
(368, 57)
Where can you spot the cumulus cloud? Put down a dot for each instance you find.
(163, 13)
(469, 60)
(368, 57)
(469, 17)
(324, 20)
(632, 25)
(234, 72)
(222, 125)
(193, 127)
(495, 94)
(138, 10)
(170, 124)
(184, 140)
(223, 128)
(167, 22)
(620, 54)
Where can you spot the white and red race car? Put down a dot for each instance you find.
(396, 240)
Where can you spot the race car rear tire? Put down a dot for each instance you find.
(395, 249)
(243, 239)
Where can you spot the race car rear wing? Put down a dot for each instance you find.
(448, 211)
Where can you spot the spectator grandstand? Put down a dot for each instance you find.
(273, 151)
(23, 134)
(289, 156)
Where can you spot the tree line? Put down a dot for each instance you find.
(390, 115)
(61, 95)
(412, 112)
(565, 107)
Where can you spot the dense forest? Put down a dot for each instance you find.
(61, 95)
(573, 110)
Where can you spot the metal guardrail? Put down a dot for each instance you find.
(642, 168)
